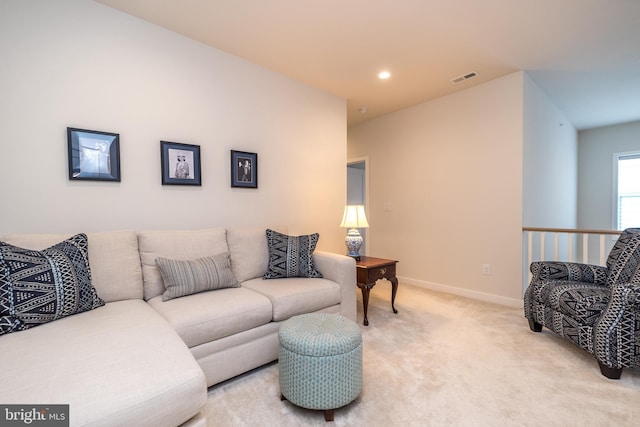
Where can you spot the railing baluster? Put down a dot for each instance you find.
(555, 246)
(542, 244)
(569, 247)
(585, 248)
(602, 249)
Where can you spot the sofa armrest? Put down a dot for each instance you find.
(573, 271)
(615, 334)
(342, 270)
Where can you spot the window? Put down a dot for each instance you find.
(628, 190)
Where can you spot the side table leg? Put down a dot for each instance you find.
(365, 300)
(394, 290)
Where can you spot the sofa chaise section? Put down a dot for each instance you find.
(120, 364)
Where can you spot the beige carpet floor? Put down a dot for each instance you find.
(445, 360)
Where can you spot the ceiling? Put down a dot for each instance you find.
(584, 54)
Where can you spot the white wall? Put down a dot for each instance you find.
(82, 64)
(595, 153)
(451, 171)
(550, 174)
(550, 180)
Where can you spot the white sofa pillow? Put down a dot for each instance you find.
(113, 258)
(175, 244)
(249, 251)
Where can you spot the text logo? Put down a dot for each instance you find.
(34, 415)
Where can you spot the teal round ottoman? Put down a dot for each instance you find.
(320, 361)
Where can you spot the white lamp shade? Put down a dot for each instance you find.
(354, 217)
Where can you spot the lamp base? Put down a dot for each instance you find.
(353, 242)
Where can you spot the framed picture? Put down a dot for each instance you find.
(244, 169)
(180, 163)
(93, 155)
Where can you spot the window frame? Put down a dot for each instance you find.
(617, 157)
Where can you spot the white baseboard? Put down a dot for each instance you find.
(481, 296)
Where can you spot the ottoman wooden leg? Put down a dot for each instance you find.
(328, 415)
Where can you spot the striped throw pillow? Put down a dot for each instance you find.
(190, 277)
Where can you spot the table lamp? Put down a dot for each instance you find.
(353, 219)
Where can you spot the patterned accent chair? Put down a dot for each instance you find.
(596, 307)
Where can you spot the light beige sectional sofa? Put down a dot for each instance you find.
(142, 361)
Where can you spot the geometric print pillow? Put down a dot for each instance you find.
(291, 256)
(37, 287)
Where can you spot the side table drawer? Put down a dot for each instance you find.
(381, 272)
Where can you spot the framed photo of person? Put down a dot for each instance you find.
(93, 155)
(180, 163)
(244, 169)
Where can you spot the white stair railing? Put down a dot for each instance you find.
(565, 244)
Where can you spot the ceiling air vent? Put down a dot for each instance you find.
(463, 78)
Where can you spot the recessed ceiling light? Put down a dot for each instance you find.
(363, 109)
(383, 75)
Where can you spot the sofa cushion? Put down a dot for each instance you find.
(249, 252)
(293, 296)
(193, 276)
(177, 244)
(291, 256)
(38, 287)
(581, 301)
(118, 365)
(208, 316)
(113, 256)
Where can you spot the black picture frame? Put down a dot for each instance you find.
(244, 169)
(93, 155)
(180, 163)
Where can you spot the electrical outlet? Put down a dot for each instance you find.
(486, 269)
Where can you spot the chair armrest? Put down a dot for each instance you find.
(615, 334)
(573, 271)
(342, 270)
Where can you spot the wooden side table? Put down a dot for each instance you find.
(369, 271)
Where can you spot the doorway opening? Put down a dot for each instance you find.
(358, 193)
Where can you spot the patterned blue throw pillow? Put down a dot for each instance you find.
(37, 287)
(291, 256)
